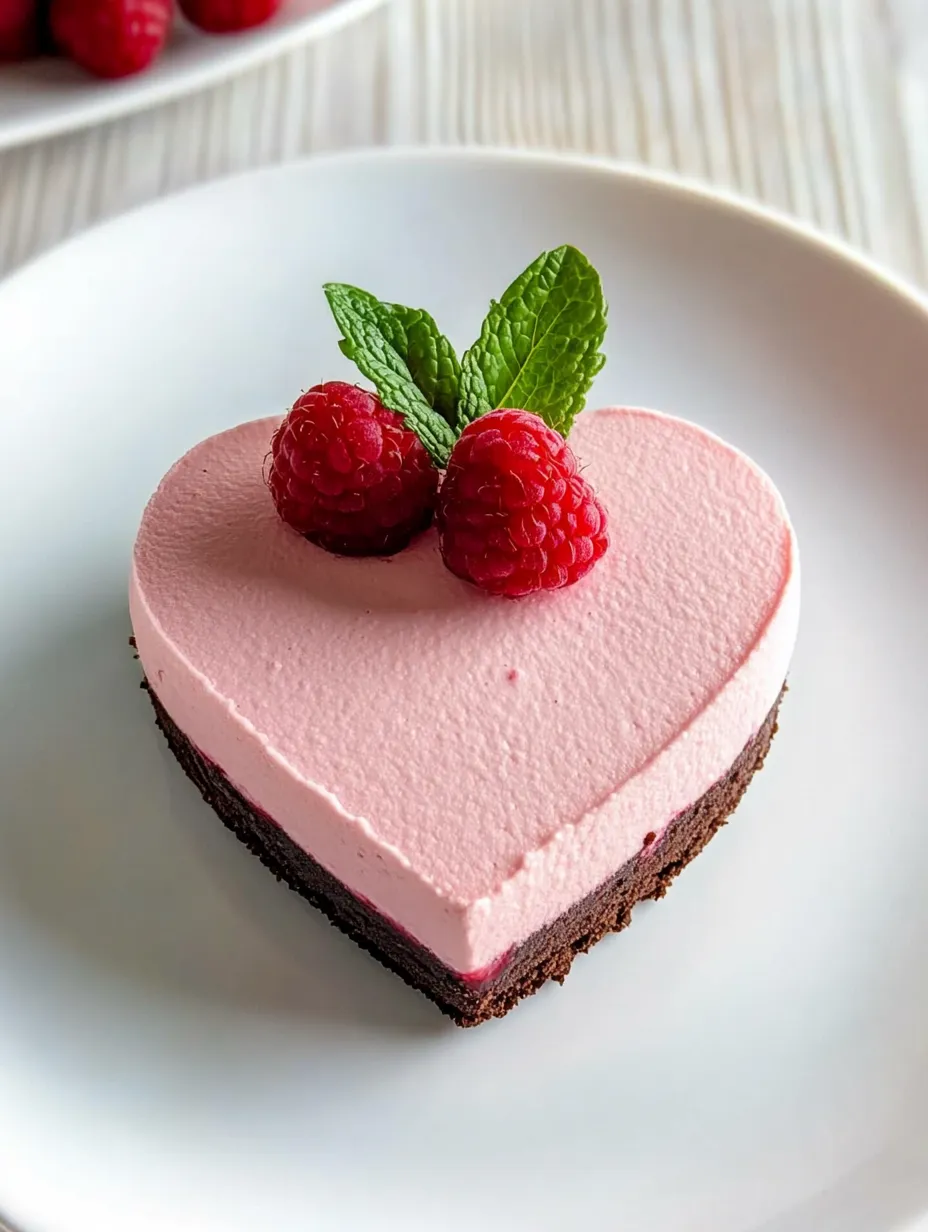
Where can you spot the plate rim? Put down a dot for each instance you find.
(683, 187)
(249, 51)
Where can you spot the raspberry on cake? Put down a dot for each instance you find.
(348, 475)
(486, 845)
(515, 516)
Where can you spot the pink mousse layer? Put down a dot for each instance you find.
(473, 766)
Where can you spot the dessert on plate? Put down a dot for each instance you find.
(472, 671)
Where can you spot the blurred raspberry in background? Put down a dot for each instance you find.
(115, 38)
(19, 29)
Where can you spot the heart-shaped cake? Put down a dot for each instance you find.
(468, 768)
(474, 788)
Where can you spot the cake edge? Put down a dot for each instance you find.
(545, 955)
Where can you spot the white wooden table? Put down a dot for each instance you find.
(817, 106)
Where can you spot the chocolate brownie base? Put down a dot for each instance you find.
(546, 955)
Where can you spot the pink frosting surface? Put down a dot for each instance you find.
(473, 766)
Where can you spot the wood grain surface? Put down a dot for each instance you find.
(819, 107)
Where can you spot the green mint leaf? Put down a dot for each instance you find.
(538, 348)
(473, 393)
(434, 366)
(386, 345)
(413, 334)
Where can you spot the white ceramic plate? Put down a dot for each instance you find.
(43, 98)
(183, 1043)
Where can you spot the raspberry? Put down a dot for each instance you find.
(514, 515)
(225, 16)
(348, 475)
(111, 38)
(19, 29)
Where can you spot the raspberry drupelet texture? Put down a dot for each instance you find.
(348, 475)
(514, 515)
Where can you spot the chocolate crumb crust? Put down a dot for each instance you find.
(547, 954)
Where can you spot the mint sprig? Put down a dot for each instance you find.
(538, 348)
(413, 366)
(413, 334)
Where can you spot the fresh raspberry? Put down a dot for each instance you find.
(514, 515)
(348, 475)
(226, 16)
(111, 38)
(19, 29)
